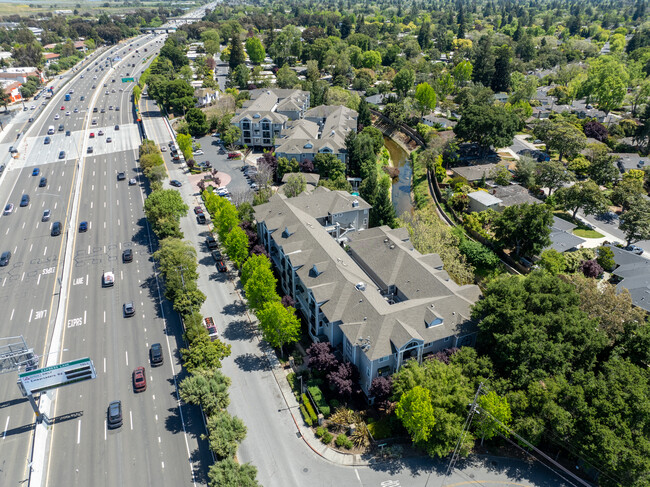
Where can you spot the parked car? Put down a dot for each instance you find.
(221, 267)
(176, 183)
(634, 249)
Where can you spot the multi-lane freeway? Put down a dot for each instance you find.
(158, 442)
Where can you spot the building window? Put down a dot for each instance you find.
(383, 359)
(348, 348)
(368, 371)
(447, 339)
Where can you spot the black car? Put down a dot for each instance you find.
(221, 267)
(83, 227)
(47, 140)
(212, 242)
(176, 183)
(156, 355)
(121, 176)
(114, 415)
(4, 258)
(117, 127)
(216, 255)
(127, 255)
(129, 309)
(90, 149)
(201, 219)
(56, 229)
(62, 154)
(67, 133)
(24, 201)
(43, 182)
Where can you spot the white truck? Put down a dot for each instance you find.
(50, 130)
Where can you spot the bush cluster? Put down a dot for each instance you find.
(342, 441)
(310, 409)
(319, 400)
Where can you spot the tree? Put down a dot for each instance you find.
(424, 35)
(524, 228)
(487, 126)
(425, 97)
(525, 171)
(260, 288)
(205, 353)
(462, 73)
(185, 145)
(279, 325)
(591, 268)
(320, 356)
(236, 244)
(610, 93)
(552, 261)
(483, 61)
(596, 130)
(585, 195)
(224, 433)
(197, 122)
(255, 50)
(415, 411)
(5, 98)
(381, 389)
(552, 175)
(495, 417)
(602, 168)
(295, 185)
(606, 258)
(287, 77)
(237, 55)
(403, 81)
(344, 379)
(502, 69)
(329, 166)
(229, 473)
(286, 166)
(240, 76)
(382, 211)
(252, 265)
(207, 388)
(363, 118)
(231, 135)
(635, 222)
(164, 208)
(626, 192)
(563, 137)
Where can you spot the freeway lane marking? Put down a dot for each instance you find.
(104, 364)
(131, 417)
(45, 251)
(30, 315)
(104, 319)
(163, 464)
(30, 248)
(127, 360)
(79, 432)
(38, 281)
(105, 429)
(4, 433)
(84, 317)
(12, 313)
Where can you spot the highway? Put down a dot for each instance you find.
(151, 447)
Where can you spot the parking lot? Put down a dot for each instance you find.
(232, 167)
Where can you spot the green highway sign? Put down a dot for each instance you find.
(57, 375)
(127, 80)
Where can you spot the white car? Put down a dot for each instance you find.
(198, 152)
(163, 148)
(67, 114)
(56, 117)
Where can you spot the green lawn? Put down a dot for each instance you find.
(585, 232)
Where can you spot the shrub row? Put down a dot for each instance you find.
(305, 415)
(319, 400)
(309, 408)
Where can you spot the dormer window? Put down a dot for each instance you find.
(314, 272)
(308, 146)
(257, 115)
(435, 322)
(286, 233)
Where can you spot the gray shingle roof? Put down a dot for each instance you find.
(635, 271)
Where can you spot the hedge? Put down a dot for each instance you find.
(309, 408)
(321, 403)
(305, 416)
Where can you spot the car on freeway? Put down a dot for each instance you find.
(117, 127)
(24, 201)
(43, 182)
(129, 309)
(176, 183)
(110, 107)
(68, 133)
(90, 149)
(95, 110)
(108, 279)
(62, 107)
(13, 150)
(61, 127)
(221, 267)
(92, 135)
(46, 216)
(83, 227)
(108, 140)
(132, 182)
(67, 114)
(127, 255)
(62, 154)
(114, 415)
(31, 119)
(56, 229)
(117, 109)
(121, 176)
(216, 255)
(4, 258)
(36, 171)
(56, 117)
(8, 209)
(103, 110)
(139, 380)
(101, 132)
(156, 355)
(2, 168)
(76, 110)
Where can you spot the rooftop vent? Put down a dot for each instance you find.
(361, 286)
(355, 203)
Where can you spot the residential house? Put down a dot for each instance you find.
(51, 57)
(476, 172)
(310, 178)
(379, 302)
(433, 121)
(633, 274)
(625, 161)
(262, 118)
(12, 88)
(482, 200)
(205, 96)
(513, 194)
(322, 131)
(562, 236)
(20, 74)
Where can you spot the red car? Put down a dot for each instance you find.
(62, 107)
(92, 135)
(139, 380)
(198, 210)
